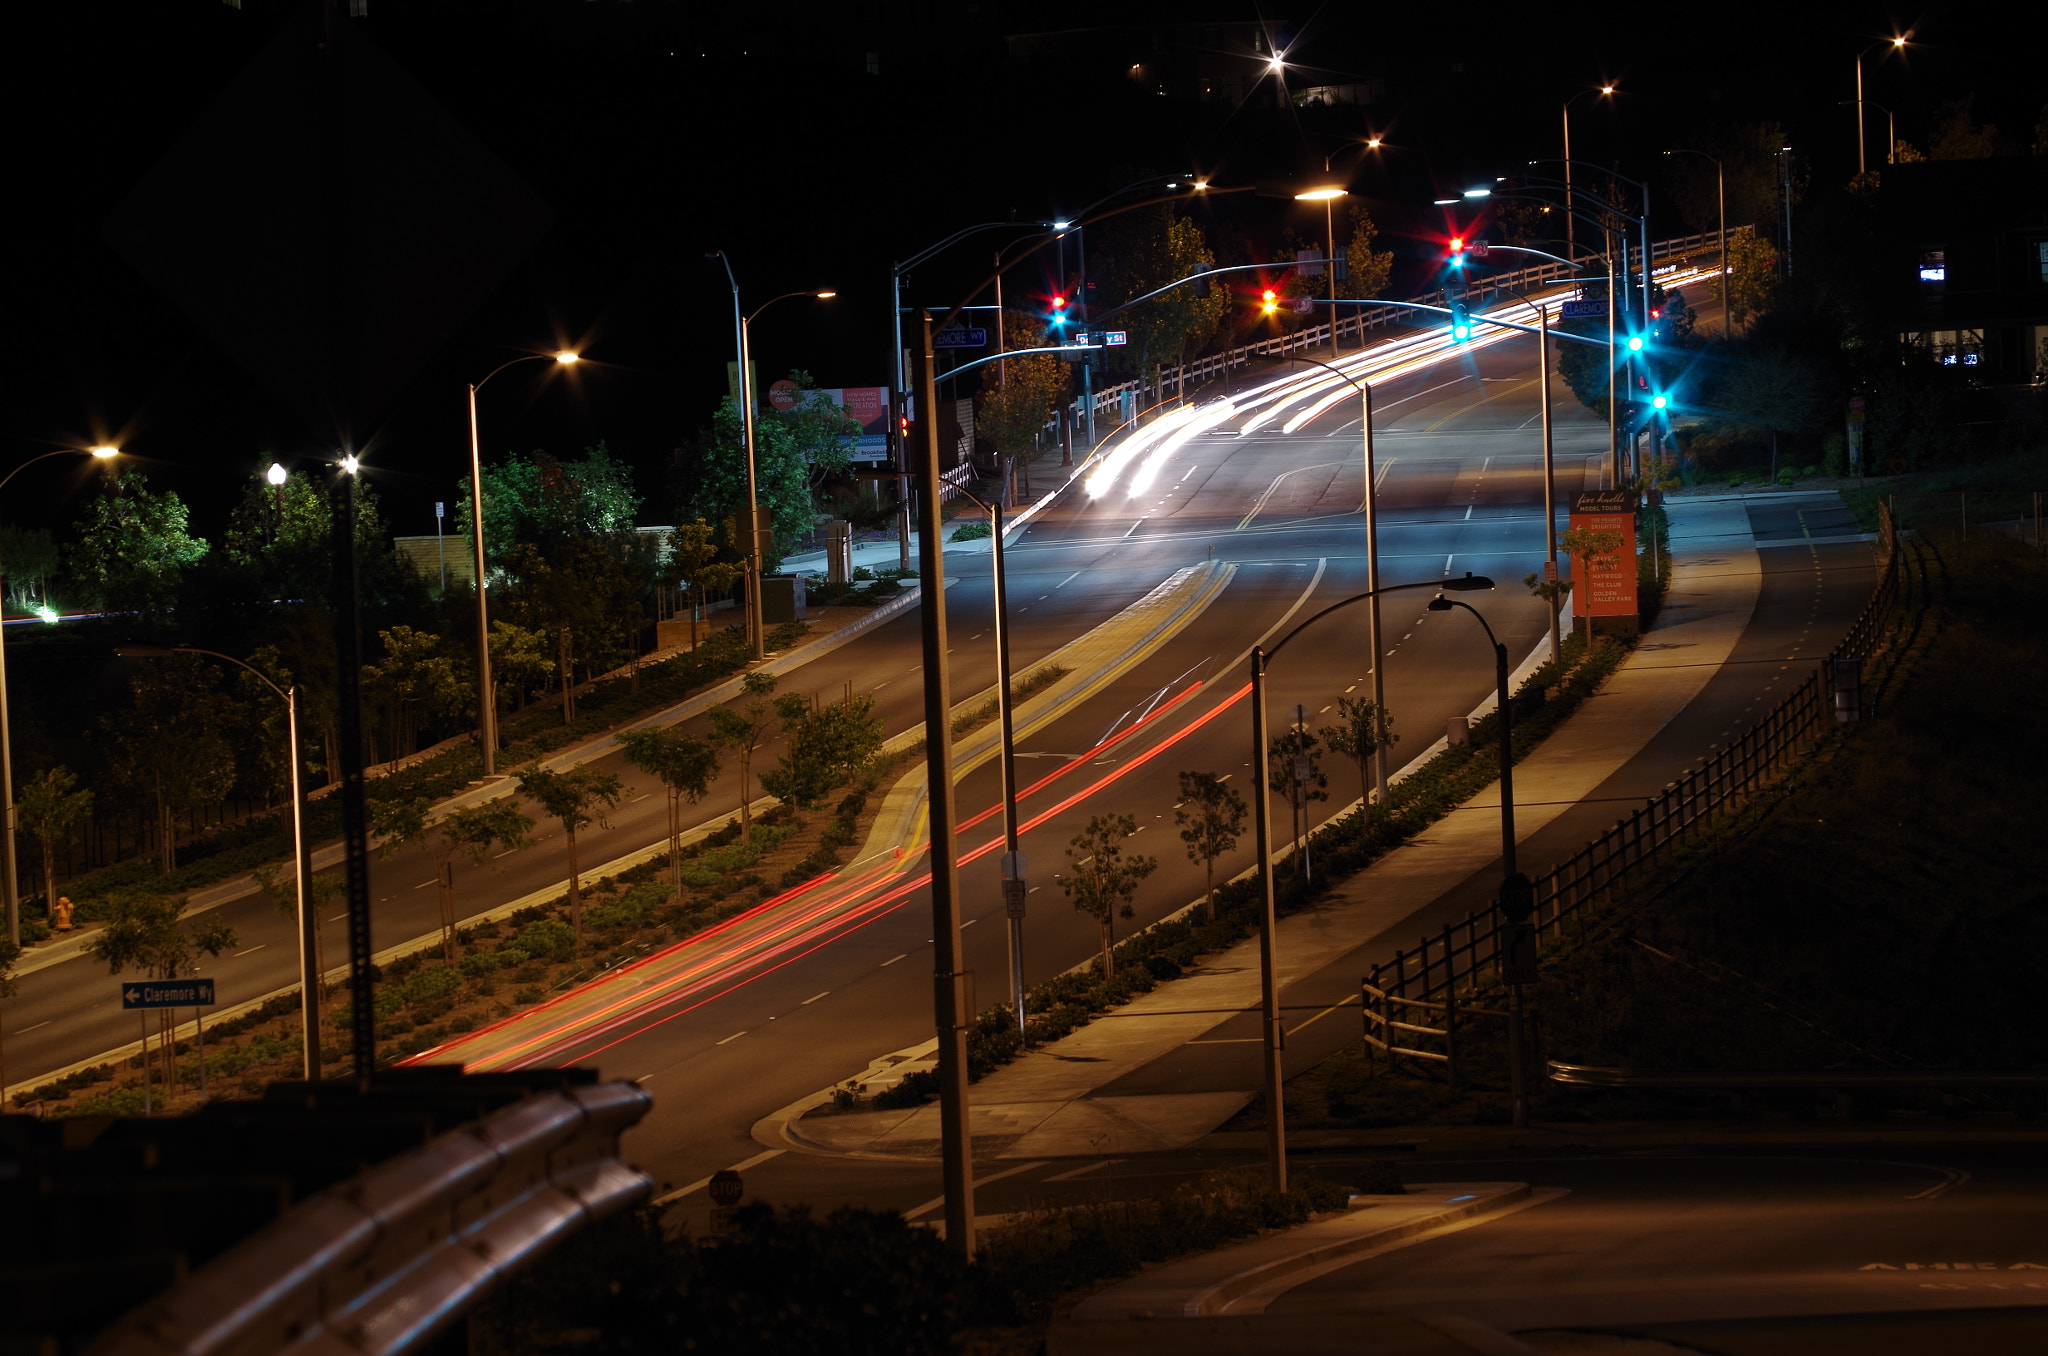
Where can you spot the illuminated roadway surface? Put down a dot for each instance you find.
(1458, 451)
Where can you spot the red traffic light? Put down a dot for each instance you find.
(1270, 301)
(1457, 244)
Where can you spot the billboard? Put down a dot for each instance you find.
(866, 405)
(1609, 589)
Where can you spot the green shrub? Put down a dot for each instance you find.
(432, 982)
(545, 937)
(971, 531)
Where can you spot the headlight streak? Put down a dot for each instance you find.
(780, 942)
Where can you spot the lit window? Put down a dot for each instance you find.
(1934, 266)
(2041, 258)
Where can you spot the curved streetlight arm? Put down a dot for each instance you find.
(1458, 585)
(44, 456)
(807, 292)
(1450, 603)
(1623, 178)
(511, 362)
(1540, 254)
(914, 260)
(165, 651)
(1568, 209)
(1021, 353)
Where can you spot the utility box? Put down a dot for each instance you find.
(1456, 731)
(838, 552)
(782, 598)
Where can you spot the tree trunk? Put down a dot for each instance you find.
(49, 890)
(1108, 958)
(167, 833)
(575, 888)
(568, 672)
(444, 882)
(746, 813)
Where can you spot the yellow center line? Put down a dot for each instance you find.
(1483, 400)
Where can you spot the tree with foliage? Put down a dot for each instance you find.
(280, 539)
(1211, 816)
(49, 805)
(1294, 769)
(133, 546)
(585, 596)
(519, 660)
(495, 825)
(684, 764)
(1364, 731)
(1015, 402)
(32, 560)
(1101, 881)
(540, 501)
(826, 747)
(694, 568)
(1146, 250)
(577, 799)
(411, 686)
(1366, 270)
(794, 451)
(279, 881)
(1768, 389)
(169, 747)
(1752, 275)
(144, 931)
(743, 729)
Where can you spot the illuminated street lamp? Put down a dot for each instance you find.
(486, 695)
(1570, 237)
(1894, 44)
(9, 889)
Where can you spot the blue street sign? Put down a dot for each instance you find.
(1585, 310)
(168, 993)
(960, 338)
(1113, 337)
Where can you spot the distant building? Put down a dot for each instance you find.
(1967, 262)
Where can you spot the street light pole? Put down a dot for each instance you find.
(1273, 1035)
(1012, 907)
(486, 688)
(10, 887)
(1721, 207)
(1570, 234)
(302, 862)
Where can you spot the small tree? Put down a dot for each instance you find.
(827, 747)
(143, 930)
(685, 766)
(170, 746)
(742, 729)
(1101, 881)
(321, 892)
(520, 660)
(1752, 274)
(1366, 729)
(1211, 816)
(577, 799)
(1581, 545)
(475, 829)
(51, 803)
(1294, 769)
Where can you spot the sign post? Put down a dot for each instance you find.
(725, 1188)
(1608, 592)
(1854, 435)
(142, 995)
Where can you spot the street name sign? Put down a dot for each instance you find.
(1584, 310)
(1114, 337)
(960, 338)
(167, 993)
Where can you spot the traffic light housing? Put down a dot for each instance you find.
(1457, 251)
(1635, 343)
(1461, 322)
(1269, 302)
(1059, 310)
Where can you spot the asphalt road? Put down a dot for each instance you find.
(1737, 1251)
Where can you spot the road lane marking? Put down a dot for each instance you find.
(812, 999)
(423, 885)
(756, 1161)
(733, 1037)
(37, 1027)
(1064, 582)
(892, 960)
(1134, 527)
(258, 947)
(979, 1182)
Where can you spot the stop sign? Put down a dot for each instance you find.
(726, 1187)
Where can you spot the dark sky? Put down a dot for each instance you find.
(657, 131)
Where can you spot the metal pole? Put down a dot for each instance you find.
(1570, 223)
(1507, 759)
(1003, 713)
(355, 836)
(147, 1110)
(1549, 487)
(9, 888)
(486, 690)
(1859, 113)
(1330, 262)
(1721, 196)
(1613, 375)
(1372, 583)
(309, 915)
(898, 394)
(956, 1147)
(1274, 1035)
(1087, 368)
(753, 525)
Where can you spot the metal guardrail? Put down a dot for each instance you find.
(1588, 1076)
(381, 1263)
(1595, 873)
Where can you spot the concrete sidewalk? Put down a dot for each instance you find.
(1045, 1104)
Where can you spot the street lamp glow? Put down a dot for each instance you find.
(276, 475)
(1659, 402)
(1478, 192)
(1372, 143)
(825, 296)
(1635, 343)
(1061, 225)
(1607, 89)
(47, 613)
(1446, 202)
(567, 357)
(1278, 63)
(104, 452)
(1320, 195)
(349, 464)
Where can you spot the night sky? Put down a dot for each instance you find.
(658, 131)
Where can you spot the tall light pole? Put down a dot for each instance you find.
(302, 862)
(1516, 896)
(1327, 196)
(486, 691)
(9, 883)
(1895, 44)
(1570, 236)
(742, 324)
(1273, 1038)
(1721, 207)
